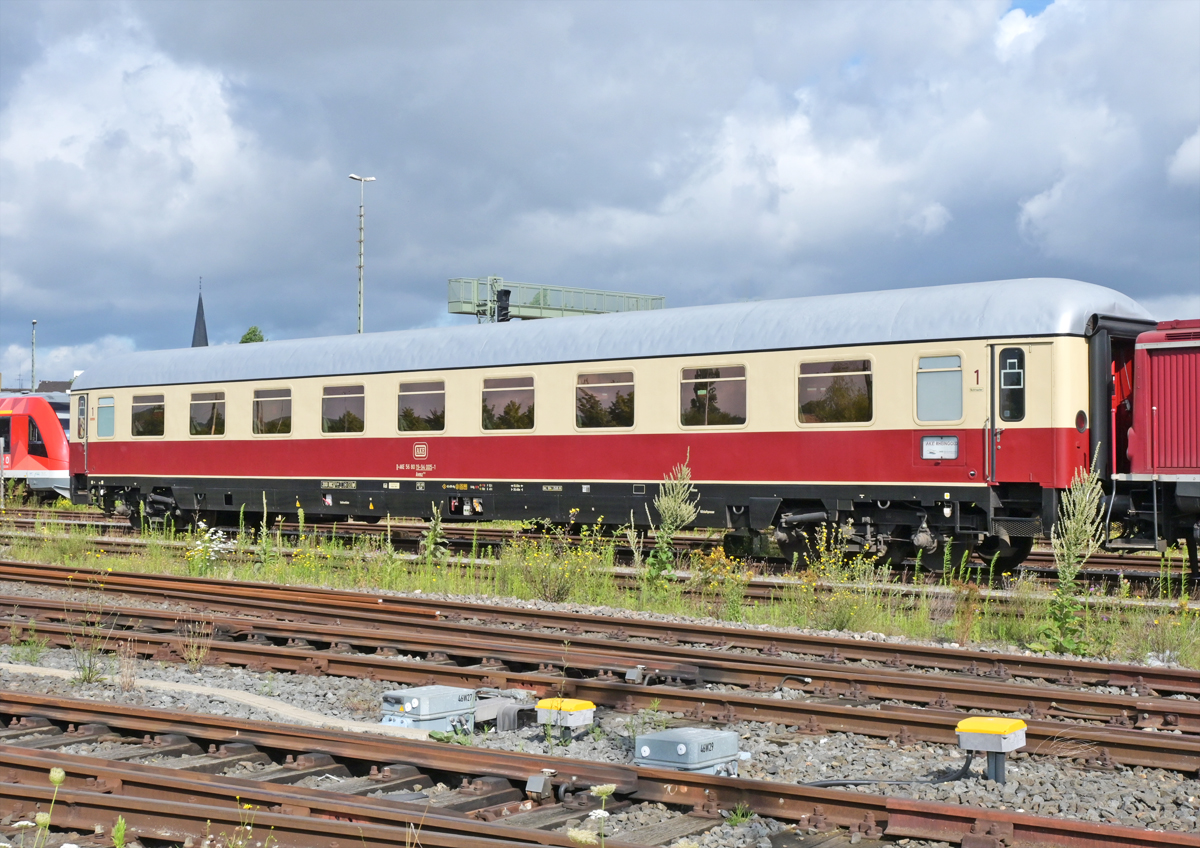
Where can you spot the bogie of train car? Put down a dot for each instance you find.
(929, 421)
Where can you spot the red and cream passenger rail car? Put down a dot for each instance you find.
(947, 415)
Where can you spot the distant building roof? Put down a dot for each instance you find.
(54, 386)
(1008, 308)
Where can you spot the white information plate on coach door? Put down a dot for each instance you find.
(939, 447)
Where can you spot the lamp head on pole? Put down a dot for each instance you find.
(362, 179)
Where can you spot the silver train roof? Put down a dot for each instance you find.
(1030, 307)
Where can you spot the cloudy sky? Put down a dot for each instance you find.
(705, 151)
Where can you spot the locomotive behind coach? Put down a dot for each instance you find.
(930, 418)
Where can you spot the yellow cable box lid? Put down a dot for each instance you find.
(566, 705)
(997, 725)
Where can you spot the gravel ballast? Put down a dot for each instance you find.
(1137, 797)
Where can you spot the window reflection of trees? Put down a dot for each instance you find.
(208, 414)
(422, 417)
(712, 397)
(513, 396)
(835, 392)
(604, 400)
(272, 411)
(343, 409)
(422, 406)
(148, 415)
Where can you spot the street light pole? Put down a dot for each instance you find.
(33, 357)
(362, 183)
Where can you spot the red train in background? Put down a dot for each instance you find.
(33, 442)
(929, 420)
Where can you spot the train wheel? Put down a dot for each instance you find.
(738, 547)
(897, 554)
(934, 562)
(137, 516)
(1009, 555)
(794, 547)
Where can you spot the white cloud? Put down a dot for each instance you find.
(60, 362)
(109, 129)
(1043, 140)
(931, 219)
(1017, 34)
(1184, 166)
(1171, 306)
(746, 151)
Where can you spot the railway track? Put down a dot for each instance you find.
(720, 675)
(493, 805)
(759, 588)
(1132, 566)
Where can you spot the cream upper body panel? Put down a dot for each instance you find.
(1055, 386)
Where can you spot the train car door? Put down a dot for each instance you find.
(5, 437)
(77, 450)
(1021, 440)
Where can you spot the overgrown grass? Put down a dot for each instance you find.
(839, 590)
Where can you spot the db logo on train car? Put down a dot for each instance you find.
(420, 450)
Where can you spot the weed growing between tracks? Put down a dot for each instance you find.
(42, 819)
(90, 637)
(837, 591)
(27, 646)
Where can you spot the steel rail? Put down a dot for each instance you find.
(179, 820)
(488, 644)
(135, 780)
(807, 805)
(764, 588)
(1125, 746)
(303, 602)
(758, 588)
(1131, 565)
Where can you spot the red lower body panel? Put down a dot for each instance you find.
(1043, 456)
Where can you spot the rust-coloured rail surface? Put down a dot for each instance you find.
(806, 805)
(467, 644)
(608, 659)
(305, 604)
(165, 803)
(408, 530)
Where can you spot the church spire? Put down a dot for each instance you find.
(200, 331)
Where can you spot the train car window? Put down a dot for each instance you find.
(1012, 384)
(207, 414)
(148, 415)
(106, 418)
(81, 417)
(508, 403)
(272, 411)
(62, 409)
(37, 445)
(604, 400)
(712, 397)
(422, 406)
(835, 392)
(939, 388)
(343, 409)
(5, 431)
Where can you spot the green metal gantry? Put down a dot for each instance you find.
(477, 297)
